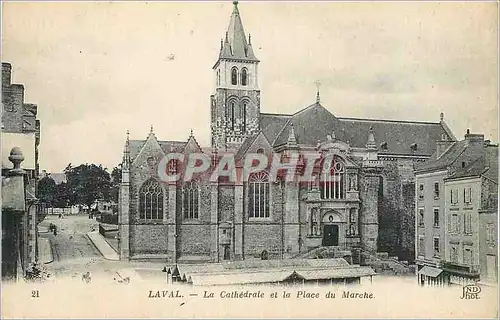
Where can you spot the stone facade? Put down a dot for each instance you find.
(371, 193)
(21, 129)
(454, 213)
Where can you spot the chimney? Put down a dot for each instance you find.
(6, 74)
(474, 138)
(443, 145)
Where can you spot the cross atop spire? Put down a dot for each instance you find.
(318, 84)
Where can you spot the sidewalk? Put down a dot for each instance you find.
(44, 251)
(102, 245)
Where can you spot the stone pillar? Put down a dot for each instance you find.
(124, 216)
(291, 218)
(239, 253)
(214, 222)
(368, 219)
(172, 221)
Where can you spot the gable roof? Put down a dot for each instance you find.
(486, 164)
(398, 135)
(315, 122)
(135, 147)
(310, 124)
(446, 159)
(272, 124)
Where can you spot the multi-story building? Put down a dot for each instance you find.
(453, 187)
(21, 130)
(367, 204)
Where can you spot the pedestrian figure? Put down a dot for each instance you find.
(86, 277)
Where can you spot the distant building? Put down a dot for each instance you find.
(58, 177)
(456, 212)
(20, 132)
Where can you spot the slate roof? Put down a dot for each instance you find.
(58, 177)
(315, 122)
(446, 159)
(135, 146)
(486, 164)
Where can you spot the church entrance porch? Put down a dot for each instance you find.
(330, 235)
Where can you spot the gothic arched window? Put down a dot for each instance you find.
(332, 182)
(243, 115)
(258, 195)
(230, 113)
(151, 201)
(234, 76)
(190, 200)
(244, 77)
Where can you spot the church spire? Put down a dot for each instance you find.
(236, 45)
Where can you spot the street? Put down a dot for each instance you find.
(74, 254)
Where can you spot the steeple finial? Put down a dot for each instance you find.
(441, 116)
(318, 83)
(249, 39)
(191, 133)
(227, 38)
(292, 140)
(371, 140)
(221, 43)
(151, 130)
(128, 137)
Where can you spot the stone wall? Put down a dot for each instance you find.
(148, 239)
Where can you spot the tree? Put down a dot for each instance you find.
(116, 179)
(63, 197)
(47, 190)
(88, 183)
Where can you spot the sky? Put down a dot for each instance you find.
(98, 69)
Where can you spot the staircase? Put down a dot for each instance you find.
(325, 253)
(382, 263)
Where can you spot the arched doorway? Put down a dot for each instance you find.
(331, 228)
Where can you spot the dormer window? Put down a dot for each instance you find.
(413, 147)
(244, 77)
(383, 145)
(234, 76)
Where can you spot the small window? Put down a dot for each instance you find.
(421, 217)
(244, 77)
(463, 164)
(436, 246)
(260, 150)
(234, 76)
(436, 190)
(454, 254)
(421, 191)
(421, 246)
(453, 227)
(436, 217)
(468, 255)
(454, 196)
(383, 145)
(468, 222)
(467, 195)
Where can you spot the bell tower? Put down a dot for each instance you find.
(235, 105)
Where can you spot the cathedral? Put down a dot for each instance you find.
(367, 204)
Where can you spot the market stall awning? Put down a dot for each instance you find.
(430, 271)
